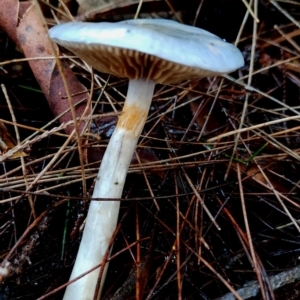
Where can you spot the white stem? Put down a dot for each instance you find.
(103, 215)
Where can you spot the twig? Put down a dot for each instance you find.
(251, 289)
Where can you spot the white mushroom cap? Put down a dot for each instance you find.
(161, 50)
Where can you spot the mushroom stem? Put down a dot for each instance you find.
(103, 215)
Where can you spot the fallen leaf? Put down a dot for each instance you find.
(22, 23)
(7, 142)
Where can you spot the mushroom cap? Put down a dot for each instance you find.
(154, 49)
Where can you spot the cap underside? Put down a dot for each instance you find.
(134, 65)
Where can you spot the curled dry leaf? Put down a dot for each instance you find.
(92, 4)
(201, 109)
(255, 173)
(22, 23)
(7, 142)
(117, 10)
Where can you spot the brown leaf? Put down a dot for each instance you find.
(7, 142)
(9, 17)
(254, 172)
(202, 115)
(31, 36)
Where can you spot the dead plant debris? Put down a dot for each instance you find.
(211, 205)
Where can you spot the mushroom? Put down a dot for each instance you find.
(147, 52)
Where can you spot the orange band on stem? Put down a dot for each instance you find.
(132, 119)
